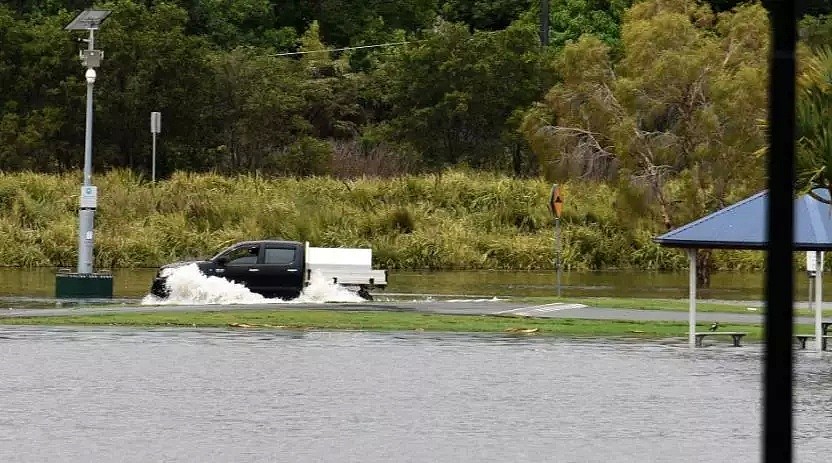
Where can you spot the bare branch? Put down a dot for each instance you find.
(815, 196)
(554, 130)
(731, 48)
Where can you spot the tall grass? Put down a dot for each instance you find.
(452, 220)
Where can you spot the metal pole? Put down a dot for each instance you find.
(811, 291)
(154, 158)
(692, 297)
(818, 302)
(557, 245)
(86, 216)
(779, 365)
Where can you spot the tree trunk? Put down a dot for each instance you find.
(517, 163)
(704, 268)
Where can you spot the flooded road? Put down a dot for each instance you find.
(80, 395)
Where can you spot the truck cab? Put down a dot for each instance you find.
(270, 268)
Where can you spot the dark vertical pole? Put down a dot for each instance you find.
(544, 22)
(777, 390)
(557, 244)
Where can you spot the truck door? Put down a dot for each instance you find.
(281, 272)
(240, 264)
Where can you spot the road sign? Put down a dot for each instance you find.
(556, 201)
(155, 122)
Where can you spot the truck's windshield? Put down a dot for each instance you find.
(240, 255)
(223, 251)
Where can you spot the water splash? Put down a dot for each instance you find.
(324, 290)
(189, 286)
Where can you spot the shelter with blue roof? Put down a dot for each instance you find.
(743, 226)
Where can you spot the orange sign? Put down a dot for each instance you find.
(556, 201)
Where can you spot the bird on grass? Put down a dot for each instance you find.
(714, 326)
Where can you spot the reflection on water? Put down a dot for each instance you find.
(174, 395)
(135, 283)
(618, 284)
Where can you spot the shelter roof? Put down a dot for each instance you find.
(743, 226)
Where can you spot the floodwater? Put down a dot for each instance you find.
(86, 395)
(135, 283)
(91, 394)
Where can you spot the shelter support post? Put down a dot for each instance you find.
(692, 297)
(818, 301)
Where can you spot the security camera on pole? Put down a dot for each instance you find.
(85, 283)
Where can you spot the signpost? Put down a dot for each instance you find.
(155, 128)
(811, 268)
(814, 269)
(556, 208)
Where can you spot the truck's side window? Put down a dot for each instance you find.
(279, 256)
(245, 255)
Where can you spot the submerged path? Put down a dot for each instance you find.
(455, 307)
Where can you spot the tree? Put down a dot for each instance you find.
(232, 23)
(39, 75)
(677, 118)
(816, 31)
(807, 7)
(814, 124)
(258, 107)
(274, 113)
(570, 19)
(45, 7)
(486, 15)
(348, 22)
(150, 64)
(452, 96)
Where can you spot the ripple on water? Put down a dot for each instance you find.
(226, 395)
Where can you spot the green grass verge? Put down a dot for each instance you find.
(387, 321)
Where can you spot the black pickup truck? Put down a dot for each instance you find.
(282, 269)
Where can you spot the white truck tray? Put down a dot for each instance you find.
(345, 266)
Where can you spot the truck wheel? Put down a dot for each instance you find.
(365, 294)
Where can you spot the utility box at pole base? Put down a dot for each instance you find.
(83, 285)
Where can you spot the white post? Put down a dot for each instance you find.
(692, 297)
(818, 300)
(155, 128)
(153, 177)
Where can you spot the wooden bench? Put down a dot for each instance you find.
(736, 336)
(801, 338)
(824, 338)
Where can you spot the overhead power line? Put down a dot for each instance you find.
(389, 44)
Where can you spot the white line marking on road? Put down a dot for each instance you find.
(539, 309)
